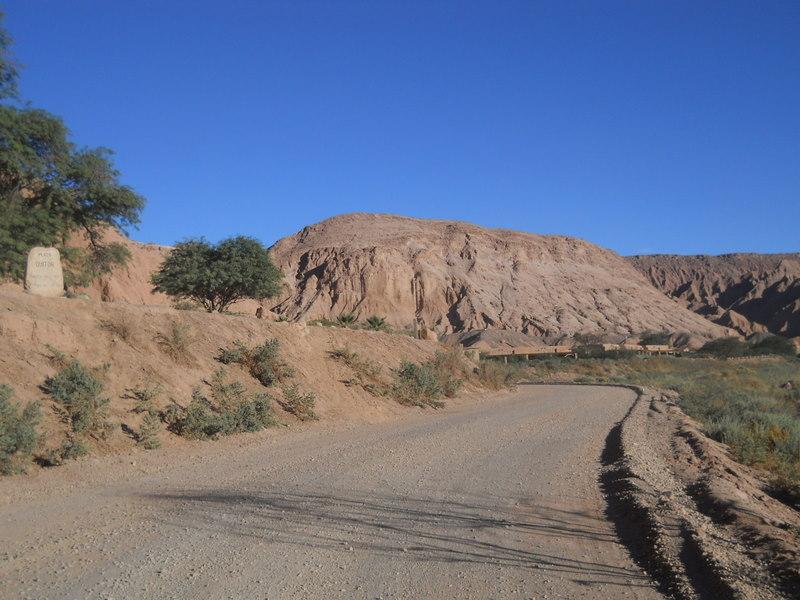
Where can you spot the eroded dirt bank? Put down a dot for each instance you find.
(703, 524)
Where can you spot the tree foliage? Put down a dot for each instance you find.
(216, 276)
(50, 189)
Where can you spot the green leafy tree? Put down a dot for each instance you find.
(216, 276)
(50, 189)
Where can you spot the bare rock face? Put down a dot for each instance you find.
(751, 293)
(453, 277)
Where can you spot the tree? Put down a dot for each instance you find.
(216, 276)
(50, 189)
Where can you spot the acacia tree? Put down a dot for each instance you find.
(218, 275)
(50, 189)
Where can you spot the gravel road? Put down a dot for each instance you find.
(497, 498)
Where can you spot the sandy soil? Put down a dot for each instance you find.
(495, 497)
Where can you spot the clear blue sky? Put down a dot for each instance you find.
(645, 126)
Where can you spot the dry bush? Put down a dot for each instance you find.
(366, 372)
(147, 436)
(262, 362)
(175, 343)
(120, 325)
(298, 404)
(496, 375)
(144, 396)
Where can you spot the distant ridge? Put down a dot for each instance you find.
(748, 292)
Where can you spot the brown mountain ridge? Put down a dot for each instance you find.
(748, 292)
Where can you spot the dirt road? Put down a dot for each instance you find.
(488, 499)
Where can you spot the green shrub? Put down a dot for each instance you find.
(655, 338)
(70, 449)
(775, 344)
(726, 347)
(175, 343)
(377, 323)
(232, 411)
(298, 404)
(417, 384)
(78, 392)
(144, 396)
(262, 362)
(18, 432)
(347, 319)
(147, 436)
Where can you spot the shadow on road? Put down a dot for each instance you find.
(405, 528)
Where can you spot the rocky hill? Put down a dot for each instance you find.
(749, 292)
(453, 277)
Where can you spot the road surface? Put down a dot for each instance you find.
(488, 499)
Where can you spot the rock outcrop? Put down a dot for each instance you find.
(751, 293)
(454, 277)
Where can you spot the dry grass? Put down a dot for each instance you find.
(175, 343)
(122, 326)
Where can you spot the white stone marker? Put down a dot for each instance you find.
(44, 276)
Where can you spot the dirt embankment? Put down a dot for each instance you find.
(124, 337)
(702, 523)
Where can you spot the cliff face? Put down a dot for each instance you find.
(748, 292)
(455, 277)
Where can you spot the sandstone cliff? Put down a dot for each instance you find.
(455, 277)
(749, 292)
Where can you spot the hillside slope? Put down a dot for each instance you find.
(125, 338)
(454, 276)
(748, 292)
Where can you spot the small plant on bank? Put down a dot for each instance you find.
(70, 449)
(262, 362)
(19, 437)
(298, 404)
(347, 319)
(417, 384)
(147, 436)
(120, 325)
(175, 343)
(144, 397)
(377, 323)
(78, 391)
(366, 372)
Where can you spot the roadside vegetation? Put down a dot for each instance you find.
(426, 383)
(229, 409)
(752, 404)
(19, 435)
(262, 362)
(78, 394)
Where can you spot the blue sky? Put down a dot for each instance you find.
(642, 126)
